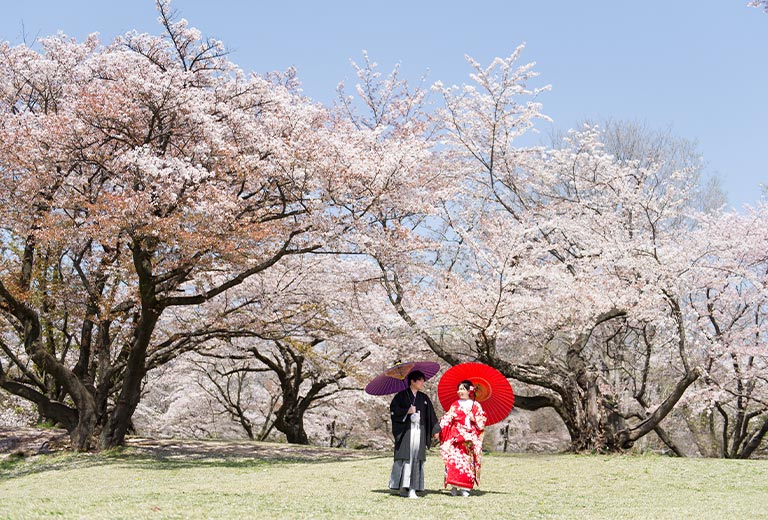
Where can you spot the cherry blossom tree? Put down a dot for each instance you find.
(727, 304)
(229, 385)
(294, 347)
(568, 269)
(542, 253)
(294, 325)
(149, 175)
(130, 169)
(635, 142)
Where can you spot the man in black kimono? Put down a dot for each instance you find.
(413, 423)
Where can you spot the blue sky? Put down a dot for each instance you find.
(698, 67)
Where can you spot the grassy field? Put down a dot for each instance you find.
(296, 483)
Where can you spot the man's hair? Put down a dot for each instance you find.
(415, 376)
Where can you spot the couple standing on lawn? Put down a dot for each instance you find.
(414, 424)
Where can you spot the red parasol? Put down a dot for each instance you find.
(395, 379)
(492, 389)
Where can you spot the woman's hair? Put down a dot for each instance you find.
(466, 384)
(415, 376)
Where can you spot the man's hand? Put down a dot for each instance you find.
(411, 410)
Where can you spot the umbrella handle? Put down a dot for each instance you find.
(413, 403)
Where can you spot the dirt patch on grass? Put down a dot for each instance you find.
(32, 441)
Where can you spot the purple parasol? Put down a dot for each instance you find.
(395, 379)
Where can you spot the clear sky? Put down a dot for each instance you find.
(698, 67)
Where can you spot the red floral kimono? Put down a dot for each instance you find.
(461, 446)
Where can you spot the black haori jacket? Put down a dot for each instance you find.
(401, 422)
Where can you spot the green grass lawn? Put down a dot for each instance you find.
(131, 484)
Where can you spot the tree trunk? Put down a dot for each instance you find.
(592, 420)
(120, 420)
(754, 441)
(290, 421)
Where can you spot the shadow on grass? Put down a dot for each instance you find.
(444, 492)
(174, 455)
(19, 467)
